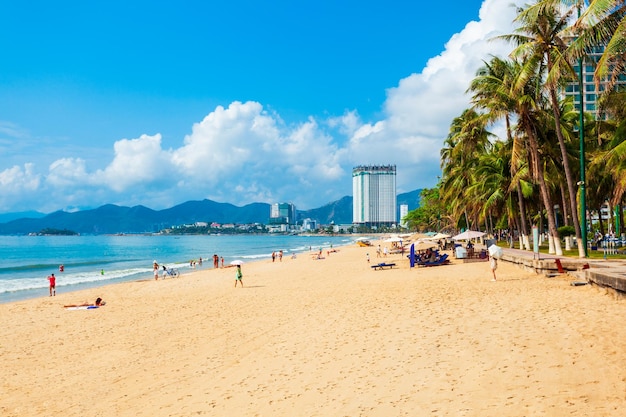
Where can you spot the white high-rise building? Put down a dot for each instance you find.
(404, 210)
(374, 195)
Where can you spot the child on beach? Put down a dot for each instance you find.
(238, 276)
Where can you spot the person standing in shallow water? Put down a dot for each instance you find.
(53, 285)
(238, 276)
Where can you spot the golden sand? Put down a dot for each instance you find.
(328, 337)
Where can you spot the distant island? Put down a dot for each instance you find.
(56, 232)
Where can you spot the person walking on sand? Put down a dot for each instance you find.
(53, 285)
(155, 267)
(239, 276)
(493, 262)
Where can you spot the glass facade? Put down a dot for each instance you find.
(283, 213)
(374, 195)
(590, 89)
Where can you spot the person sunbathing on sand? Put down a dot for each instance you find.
(99, 302)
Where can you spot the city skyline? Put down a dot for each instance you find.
(150, 105)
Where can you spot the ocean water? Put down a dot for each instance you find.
(92, 261)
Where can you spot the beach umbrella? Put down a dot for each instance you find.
(495, 251)
(394, 239)
(439, 236)
(416, 236)
(237, 262)
(412, 255)
(468, 234)
(424, 245)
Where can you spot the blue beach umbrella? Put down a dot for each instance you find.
(412, 255)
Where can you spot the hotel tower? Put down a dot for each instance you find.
(374, 195)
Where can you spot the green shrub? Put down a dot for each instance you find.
(565, 231)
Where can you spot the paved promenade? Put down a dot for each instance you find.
(609, 273)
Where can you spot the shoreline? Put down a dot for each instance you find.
(119, 275)
(318, 338)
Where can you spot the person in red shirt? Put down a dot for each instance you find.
(53, 284)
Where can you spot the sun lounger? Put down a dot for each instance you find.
(383, 265)
(443, 260)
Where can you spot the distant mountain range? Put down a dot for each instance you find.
(139, 219)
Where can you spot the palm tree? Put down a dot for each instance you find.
(491, 92)
(529, 106)
(542, 48)
(468, 138)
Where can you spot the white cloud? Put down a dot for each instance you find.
(419, 110)
(67, 172)
(138, 161)
(244, 153)
(19, 185)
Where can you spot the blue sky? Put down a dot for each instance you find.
(157, 103)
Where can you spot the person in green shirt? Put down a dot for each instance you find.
(239, 276)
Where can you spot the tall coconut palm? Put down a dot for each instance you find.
(491, 91)
(541, 47)
(529, 104)
(468, 138)
(493, 189)
(602, 23)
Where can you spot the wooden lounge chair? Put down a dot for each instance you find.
(383, 265)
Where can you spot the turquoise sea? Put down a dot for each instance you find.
(92, 261)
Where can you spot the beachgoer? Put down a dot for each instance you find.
(99, 302)
(273, 256)
(280, 255)
(164, 271)
(102, 272)
(222, 262)
(494, 265)
(53, 285)
(216, 261)
(61, 268)
(239, 276)
(155, 267)
(385, 251)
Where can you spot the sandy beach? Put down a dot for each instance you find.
(328, 337)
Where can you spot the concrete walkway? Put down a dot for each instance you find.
(610, 273)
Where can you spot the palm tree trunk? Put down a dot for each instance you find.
(524, 242)
(564, 209)
(568, 172)
(554, 240)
